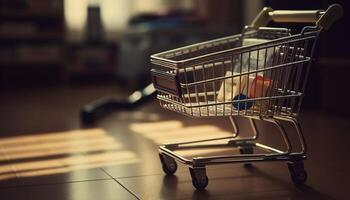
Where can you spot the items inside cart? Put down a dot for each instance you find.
(260, 74)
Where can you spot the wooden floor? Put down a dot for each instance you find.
(45, 153)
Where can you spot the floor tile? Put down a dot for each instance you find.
(61, 156)
(55, 176)
(88, 190)
(51, 168)
(7, 176)
(7, 173)
(235, 182)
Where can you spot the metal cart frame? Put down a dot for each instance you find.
(180, 90)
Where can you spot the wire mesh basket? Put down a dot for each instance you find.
(261, 72)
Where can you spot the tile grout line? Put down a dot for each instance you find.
(145, 175)
(120, 184)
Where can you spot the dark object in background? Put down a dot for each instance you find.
(95, 57)
(94, 31)
(91, 112)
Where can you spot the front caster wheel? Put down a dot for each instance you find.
(297, 173)
(199, 178)
(168, 164)
(247, 150)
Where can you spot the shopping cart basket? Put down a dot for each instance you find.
(260, 74)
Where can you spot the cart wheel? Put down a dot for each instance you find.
(247, 150)
(168, 164)
(199, 178)
(297, 173)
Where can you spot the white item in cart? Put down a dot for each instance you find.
(256, 59)
(233, 86)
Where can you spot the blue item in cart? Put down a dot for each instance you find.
(242, 105)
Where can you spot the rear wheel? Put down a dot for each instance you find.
(297, 173)
(168, 164)
(247, 150)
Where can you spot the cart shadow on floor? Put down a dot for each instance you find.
(301, 192)
(170, 183)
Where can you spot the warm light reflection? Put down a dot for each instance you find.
(155, 126)
(207, 152)
(174, 131)
(64, 150)
(75, 162)
(137, 115)
(53, 153)
(68, 135)
(60, 170)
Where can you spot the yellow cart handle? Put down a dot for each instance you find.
(322, 18)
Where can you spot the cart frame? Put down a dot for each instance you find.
(171, 97)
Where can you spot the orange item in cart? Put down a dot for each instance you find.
(261, 85)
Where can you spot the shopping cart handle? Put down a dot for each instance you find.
(296, 16)
(320, 17)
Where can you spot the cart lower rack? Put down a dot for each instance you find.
(260, 74)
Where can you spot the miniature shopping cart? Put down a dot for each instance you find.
(260, 74)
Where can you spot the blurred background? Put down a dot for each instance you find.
(59, 42)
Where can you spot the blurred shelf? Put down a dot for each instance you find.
(88, 60)
(24, 64)
(31, 39)
(47, 37)
(20, 14)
